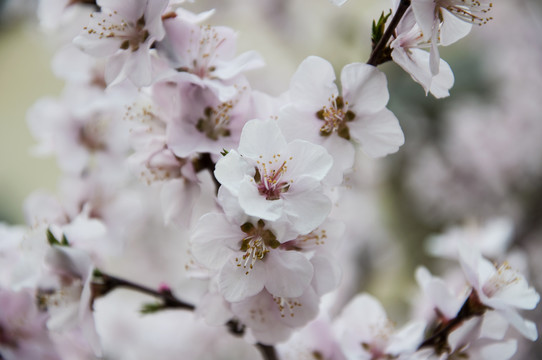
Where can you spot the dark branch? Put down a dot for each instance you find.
(105, 283)
(378, 55)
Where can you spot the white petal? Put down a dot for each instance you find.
(288, 273)
(308, 160)
(327, 274)
(453, 28)
(306, 87)
(365, 88)
(236, 283)
(246, 61)
(424, 11)
(255, 204)
(211, 237)
(261, 137)
(231, 170)
(305, 204)
(178, 197)
(378, 134)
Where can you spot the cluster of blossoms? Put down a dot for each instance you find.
(175, 168)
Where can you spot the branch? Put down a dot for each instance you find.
(104, 283)
(377, 57)
(439, 339)
(204, 162)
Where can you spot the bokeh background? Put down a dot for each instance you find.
(471, 157)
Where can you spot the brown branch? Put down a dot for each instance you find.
(104, 283)
(377, 55)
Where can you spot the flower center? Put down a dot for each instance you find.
(203, 52)
(256, 244)
(335, 118)
(215, 122)
(269, 181)
(286, 305)
(111, 25)
(472, 11)
(504, 277)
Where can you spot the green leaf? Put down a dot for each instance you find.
(52, 239)
(379, 27)
(151, 308)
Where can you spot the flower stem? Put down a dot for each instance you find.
(378, 54)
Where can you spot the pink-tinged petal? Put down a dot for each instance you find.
(237, 283)
(308, 160)
(305, 205)
(70, 261)
(255, 204)
(249, 60)
(178, 197)
(425, 13)
(261, 138)
(298, 121)
(525, 327)
(138, 68)
(452, 28)
(443, 81)
(501, 350)
(415, 62)
(86, 317)
(230, 204)
(327, 274)
(313, 83)
(299, 311)
(97, 47)
(153, 18)
(343, 153)
(469, 258)
(407, 339)
(114, 68)
(288, 273)
(130, 10)
(494, 326)
(365, 88)
(266, 326)
(231, 170)
(210, 239)
(378, 134)
(434, 55)
(407, 22)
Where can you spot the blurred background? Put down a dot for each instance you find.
(471, 157)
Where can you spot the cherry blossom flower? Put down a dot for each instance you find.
(365, 332)
(409, 54)
(65, 292)
(23, 333)
(276, 180)
(320, 114)
(446, 21)
(197, 121)
(124, 32)
(205, 55)
(271, 319)
(501, 289)
(491, 238)
(248, 258)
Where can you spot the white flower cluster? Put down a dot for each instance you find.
(176, 171)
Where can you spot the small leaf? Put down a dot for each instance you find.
(379, 27)
(51, 238)
(151, 308)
